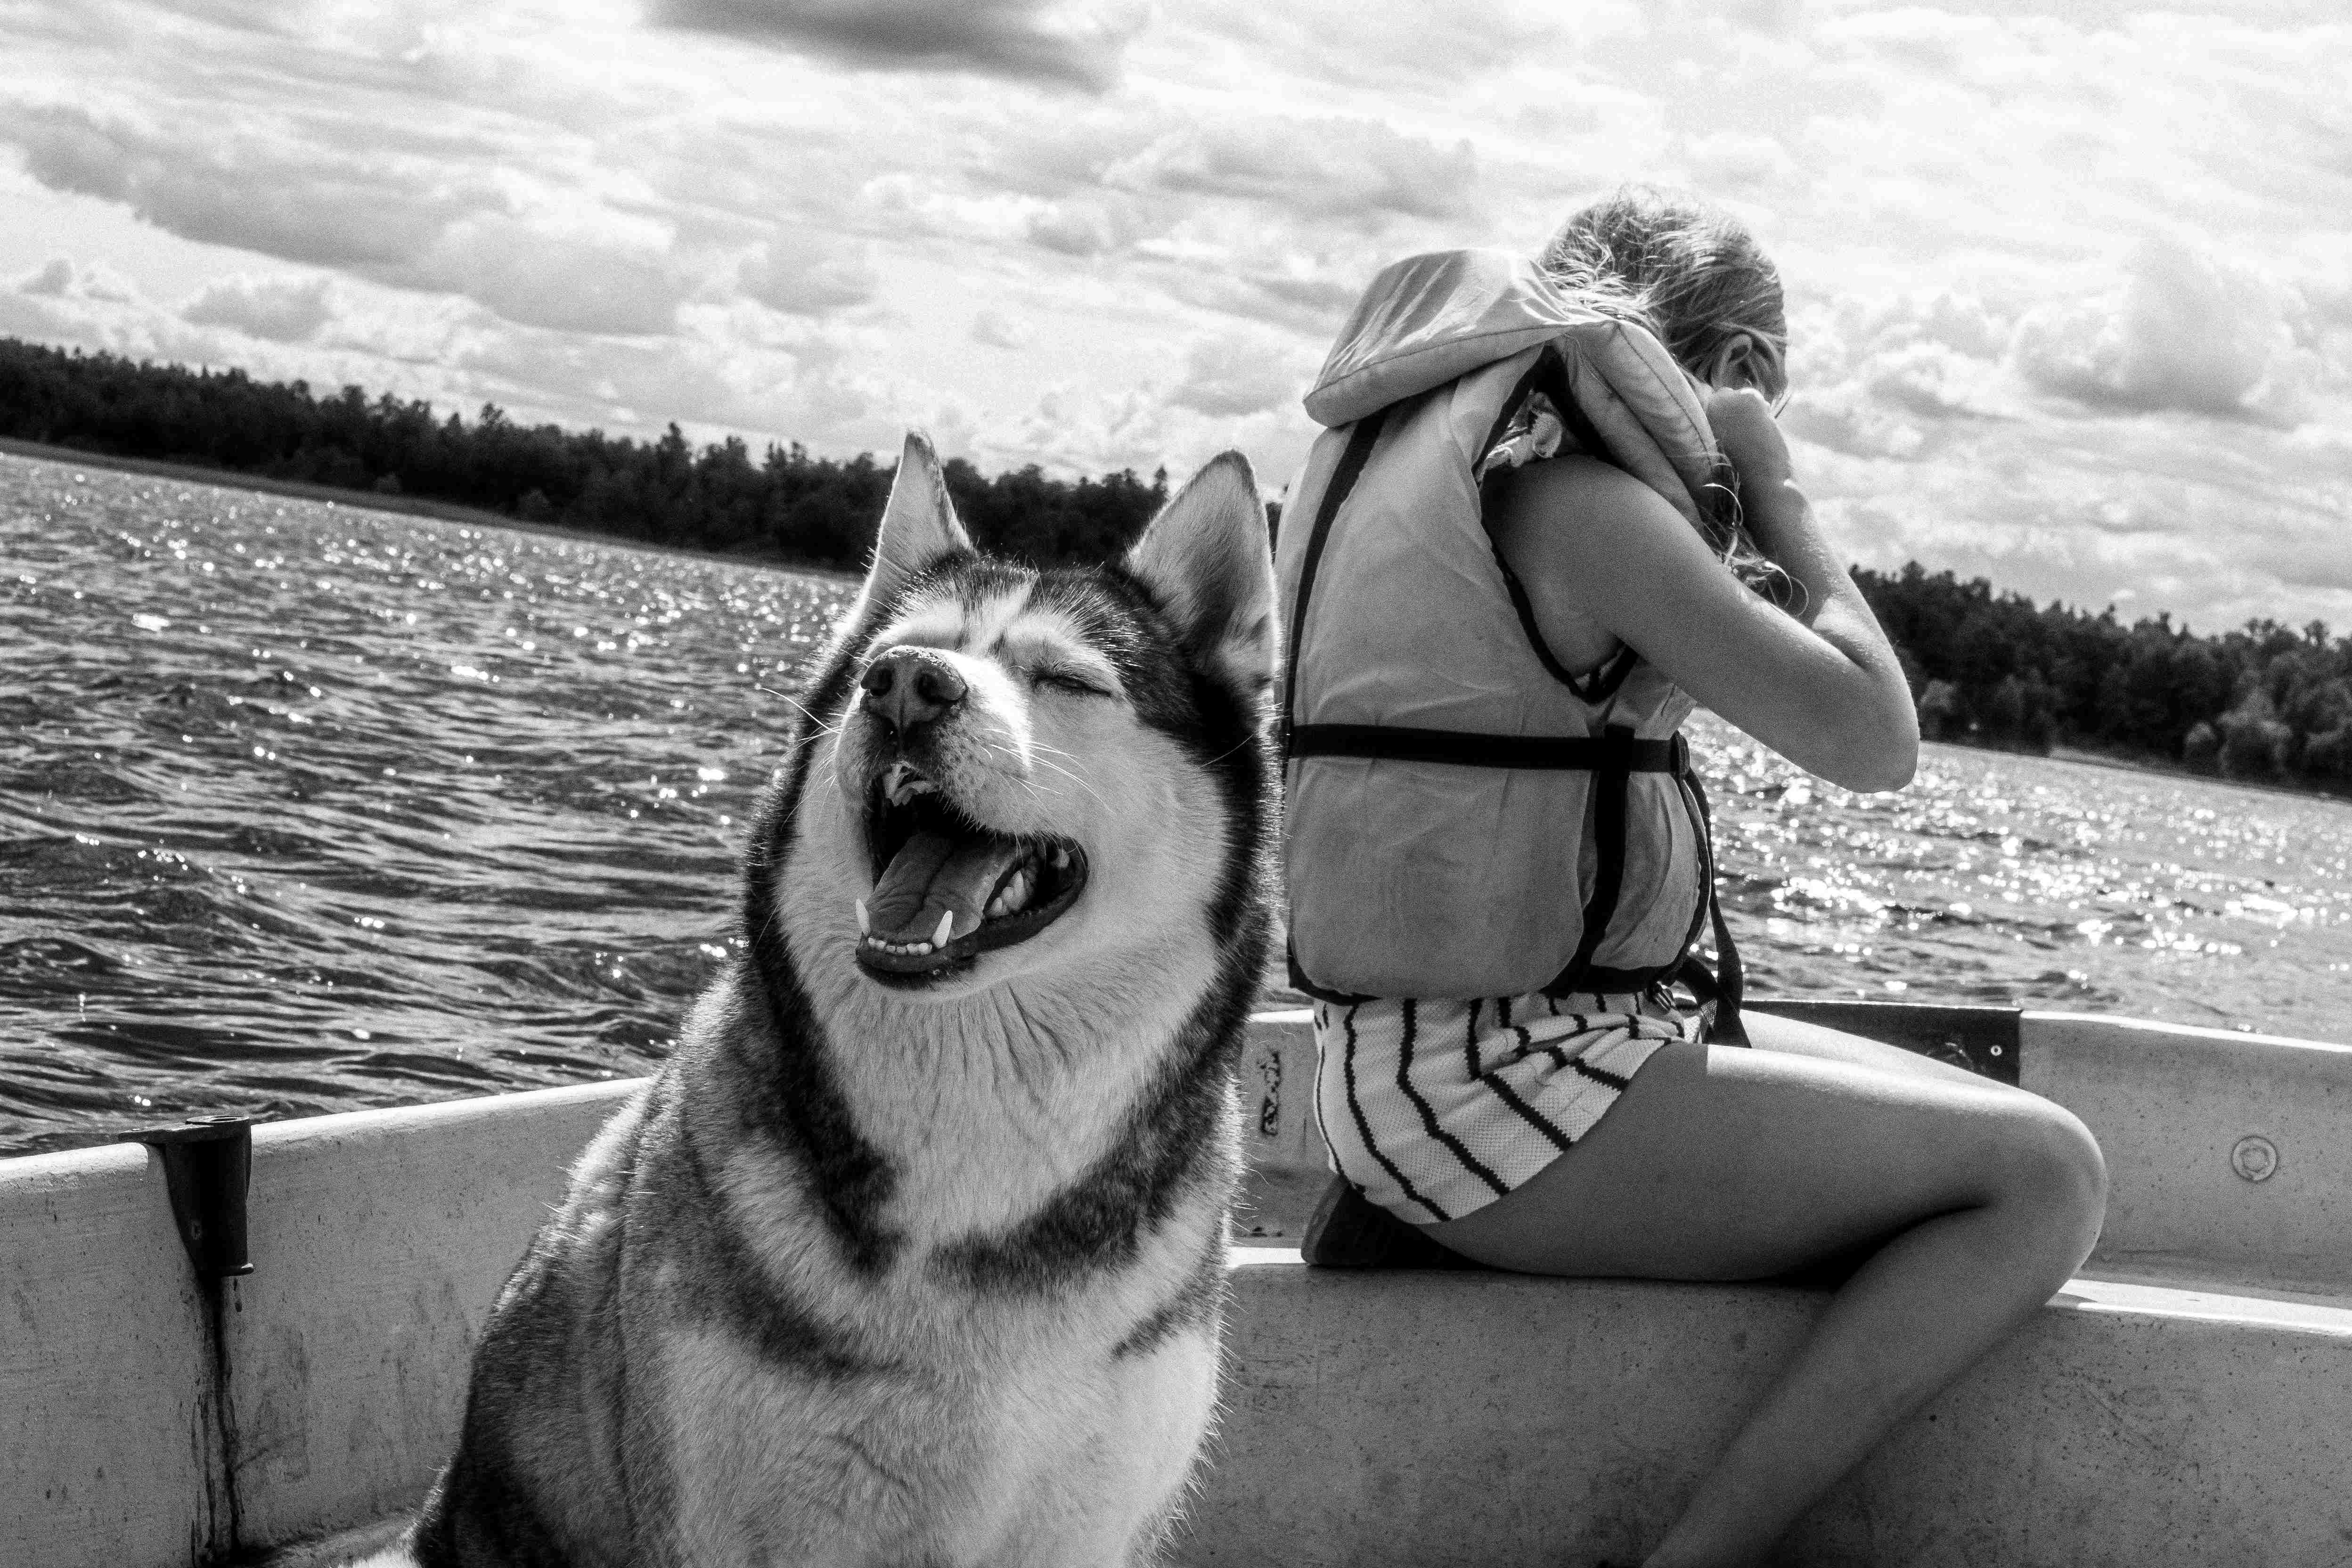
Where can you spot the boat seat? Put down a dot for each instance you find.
(2183, 1405)
(1427, 1418)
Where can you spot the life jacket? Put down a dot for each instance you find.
(1465, 818)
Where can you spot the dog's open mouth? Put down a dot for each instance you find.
(947, 889)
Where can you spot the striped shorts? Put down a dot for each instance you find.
(1433, 1109)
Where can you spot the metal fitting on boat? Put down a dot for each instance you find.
(207, 1160)
(2254, 1158)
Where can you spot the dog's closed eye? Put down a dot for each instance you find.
(1062, 678)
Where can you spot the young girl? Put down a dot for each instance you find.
(1595, 1130)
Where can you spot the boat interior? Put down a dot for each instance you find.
(247, 1343)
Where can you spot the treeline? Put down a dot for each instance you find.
(2265, 703)
(1988, 668)
(784, 504)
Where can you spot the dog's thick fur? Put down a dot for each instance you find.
(901, 1269)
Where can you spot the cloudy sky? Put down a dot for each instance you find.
(2071, 284)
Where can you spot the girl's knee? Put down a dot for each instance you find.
(2056, 1165)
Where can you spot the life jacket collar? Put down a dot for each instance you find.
(1429, 318)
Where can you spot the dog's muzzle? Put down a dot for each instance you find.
(947, 889)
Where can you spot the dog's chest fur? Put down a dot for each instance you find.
(927, 1268)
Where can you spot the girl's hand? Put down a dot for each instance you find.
(1749, 436)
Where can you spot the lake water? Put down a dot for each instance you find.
(304, 808)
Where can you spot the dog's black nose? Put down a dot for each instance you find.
(910, 686)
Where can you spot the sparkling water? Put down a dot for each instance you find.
(306, 807)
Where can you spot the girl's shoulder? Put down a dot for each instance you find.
(1545, 504)
(1573, 477)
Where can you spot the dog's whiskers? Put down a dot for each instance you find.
(1075, 779)
(822, 727)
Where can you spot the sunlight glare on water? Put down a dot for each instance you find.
(2014, 879)
(305, 807)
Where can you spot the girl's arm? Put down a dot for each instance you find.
(1818, 684)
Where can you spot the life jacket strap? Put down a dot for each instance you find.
(1721, 993)
(1610, 776)
(1549, 375)
(1558, 753)
(1361, 442)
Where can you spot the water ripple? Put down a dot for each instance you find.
(305, 806)
(2061, 884)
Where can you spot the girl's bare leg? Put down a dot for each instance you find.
(1724, 1164)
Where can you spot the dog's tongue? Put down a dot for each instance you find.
(934, 875)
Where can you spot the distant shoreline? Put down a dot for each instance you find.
(2157, 767)
(377, 500)
(450, 511)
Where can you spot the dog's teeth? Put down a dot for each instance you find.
(996, 910)
(901, 784)
(864, 921)
(946, 930)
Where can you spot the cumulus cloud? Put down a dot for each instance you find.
(584, 278)
(1934, 41)
(1383, 46)
(1069, 430)
(52, 281)
(2214, 522)
(1844, 418)
(998, 331)
(400, 221)
(803, 273)
(93, 308)
(1072, 228)
(697, 380)
(1932, 379)
(1735, 160)
(1235, 373)
(1312, 301)
(1345, 169)
(1077, 45)
(60, 279)
(282, 309)
(2184, 330)
(279, 196)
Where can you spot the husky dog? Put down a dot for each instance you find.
(914, 1252)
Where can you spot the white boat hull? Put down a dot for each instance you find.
(2188, 1403)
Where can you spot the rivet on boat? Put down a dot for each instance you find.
(2254, 1158)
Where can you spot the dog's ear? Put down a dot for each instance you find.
(918, 525)
(1207, 558)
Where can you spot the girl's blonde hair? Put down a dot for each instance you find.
(1693, 275)
(1689, 271)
